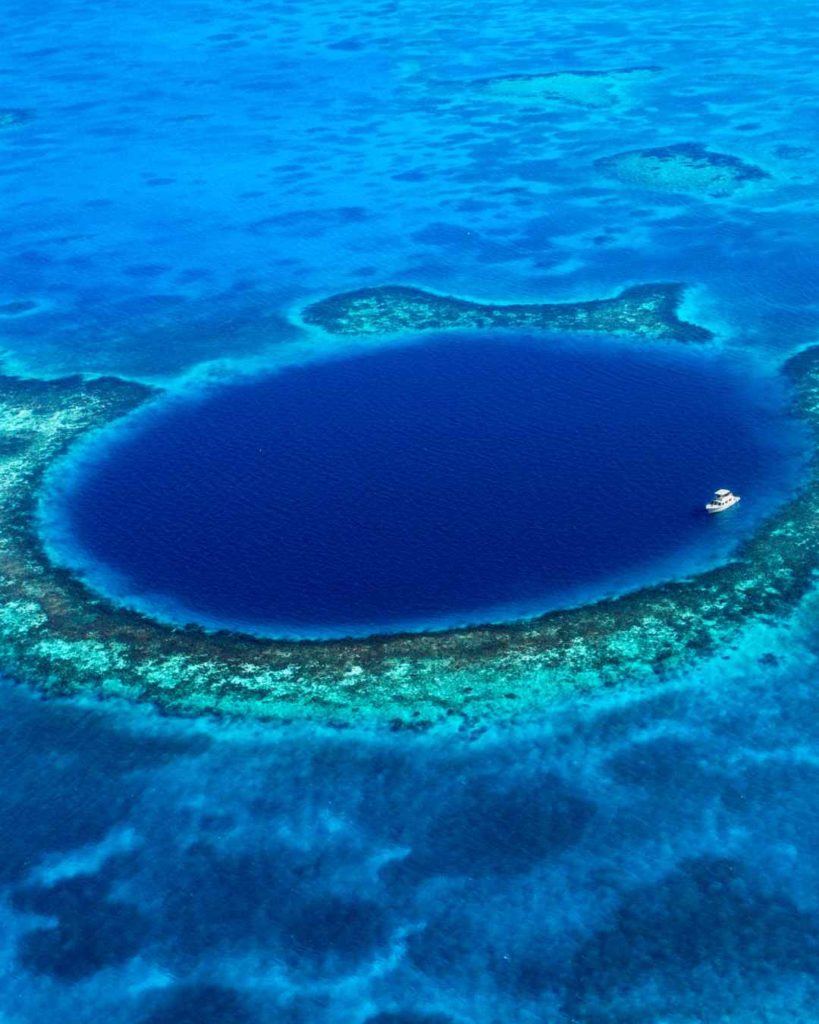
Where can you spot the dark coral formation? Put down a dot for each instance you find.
(201, 1004)
(648, 310)
(706, 912)
(56, 634)
(11, 117)
(90, 931)
(686, 167)
(492, 827)
(17, 308)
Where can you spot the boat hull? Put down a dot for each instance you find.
(712, 509)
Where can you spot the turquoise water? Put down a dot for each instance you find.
(190, 175)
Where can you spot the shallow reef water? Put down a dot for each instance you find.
(601, 816)
(642, 855)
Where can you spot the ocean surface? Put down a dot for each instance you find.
(448, 482)
(180, 179)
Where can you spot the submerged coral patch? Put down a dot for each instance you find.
(91, 931)
(490, 824)
(574, 87)
(649, 310)
(11, 117)
(200, 1004)
(688, 167)
(17, 308)
(698, 915)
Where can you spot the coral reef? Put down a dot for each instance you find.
(11, 117)
(581, 88)
(648, 310)
(688, 167)
(17, 308)
(56, 634)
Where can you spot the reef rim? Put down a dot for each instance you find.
(59, 636)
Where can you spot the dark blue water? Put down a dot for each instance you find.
(425, 485)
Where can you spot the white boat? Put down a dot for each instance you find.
(722, 500)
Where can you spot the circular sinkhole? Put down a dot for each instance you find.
(457, 480)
